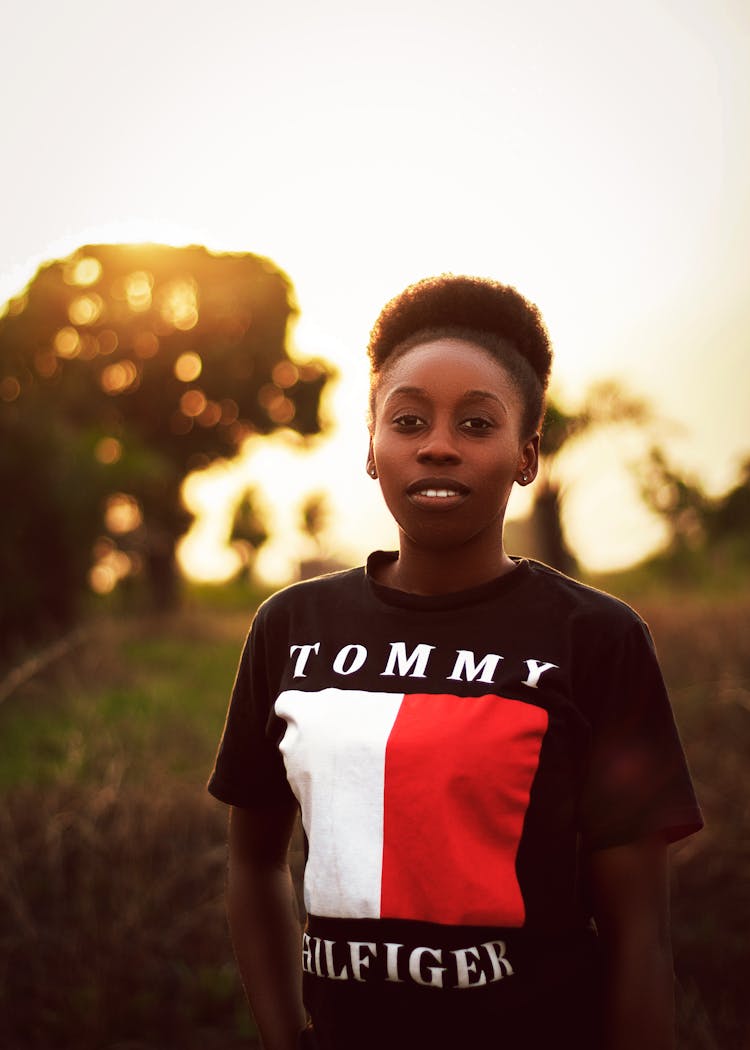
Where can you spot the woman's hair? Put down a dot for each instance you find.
(477, 310)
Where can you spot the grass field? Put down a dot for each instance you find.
(112, 855)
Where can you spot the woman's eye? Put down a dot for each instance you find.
(476, 423)
(408, 420)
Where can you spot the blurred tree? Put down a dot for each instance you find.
(729, 518)
(314, 515)
(50, 521)
(604, 404)
(123, 368)
(249, 531)
(680, 501)
(696, 521)
(314, 518)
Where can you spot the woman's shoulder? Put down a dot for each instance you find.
(583, 600)
(329, 587)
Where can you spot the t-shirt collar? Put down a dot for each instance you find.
(454, 599)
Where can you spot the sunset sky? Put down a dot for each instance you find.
(594, 154)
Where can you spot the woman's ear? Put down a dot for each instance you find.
(528, 464)
(372, 470)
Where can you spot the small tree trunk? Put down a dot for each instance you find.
(553, 549)
(161, 571)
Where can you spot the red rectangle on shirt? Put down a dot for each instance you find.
(458, 777)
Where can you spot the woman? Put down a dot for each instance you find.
(482, 749)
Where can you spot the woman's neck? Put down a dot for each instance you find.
(420, 571)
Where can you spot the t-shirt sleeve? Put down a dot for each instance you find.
(249, 769)
(638, 781)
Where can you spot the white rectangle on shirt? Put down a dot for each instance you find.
(334, 750)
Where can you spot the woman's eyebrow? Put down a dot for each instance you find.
(417, 391)
(412, 391)
(483, 394)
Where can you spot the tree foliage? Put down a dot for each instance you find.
(678, 500)
(696, 522)
(123, 368)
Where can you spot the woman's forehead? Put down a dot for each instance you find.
(436, 360)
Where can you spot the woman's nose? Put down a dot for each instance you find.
(439, 446)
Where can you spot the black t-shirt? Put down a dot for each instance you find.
(455, 757)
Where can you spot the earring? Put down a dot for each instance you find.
(524, 477)
(372, 470)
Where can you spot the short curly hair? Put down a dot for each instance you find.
(494, 316)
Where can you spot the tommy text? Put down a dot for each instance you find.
(402, 663)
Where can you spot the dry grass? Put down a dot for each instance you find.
(114, 932)
(705, 651)
(112, 855)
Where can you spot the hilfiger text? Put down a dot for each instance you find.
(364, 961)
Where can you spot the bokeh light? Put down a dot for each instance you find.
(122, 514)
(102, 578)
(281, 411)
(15, 306)
(211, 415)
(178, 304)
(285, 374)
(89, 346)
(107, 340)
(137, 288)
(111, 566)
(188, 367)
(83, 272)
(230, 411)
(193, 402)
(10, 388)
(86, 309)
(67, 342)
(278, 407)
(118, 377)
(108, 450)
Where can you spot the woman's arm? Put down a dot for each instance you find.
(263, 921)
(630, 886)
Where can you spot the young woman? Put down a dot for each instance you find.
(482, 749)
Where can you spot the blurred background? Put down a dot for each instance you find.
(202, 213)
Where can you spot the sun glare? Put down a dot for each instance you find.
(178, 304)
(276, 467)
(205, 553)
(86, 271)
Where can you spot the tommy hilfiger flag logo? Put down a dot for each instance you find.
(413, 803)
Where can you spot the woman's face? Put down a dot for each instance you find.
(447, 444)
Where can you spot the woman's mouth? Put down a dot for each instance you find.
(442, 491)
(436, 493)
